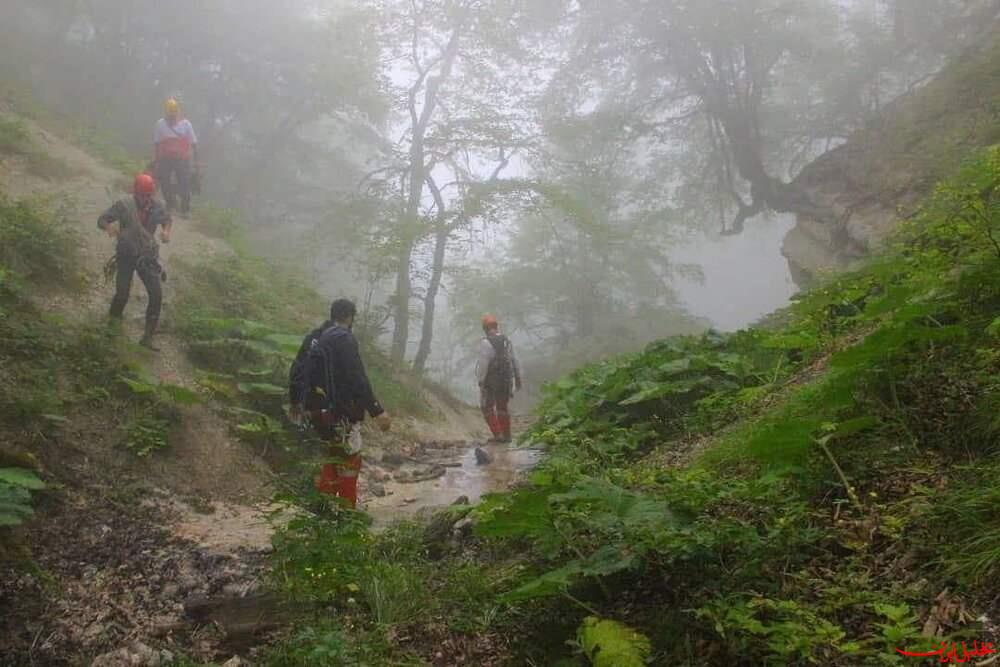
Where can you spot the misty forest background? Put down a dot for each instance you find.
(580, 168)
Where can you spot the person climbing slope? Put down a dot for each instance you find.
(133, 221)
(174, 147)
(499, 376)
(328, 385)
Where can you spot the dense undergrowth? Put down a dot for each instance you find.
(819, 492)
(52, 370)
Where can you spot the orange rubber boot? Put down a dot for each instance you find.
(328, 481)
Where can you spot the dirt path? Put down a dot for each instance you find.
(129, 542)
(130, 546)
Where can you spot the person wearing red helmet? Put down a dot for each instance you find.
(133, 221)
(499, 376)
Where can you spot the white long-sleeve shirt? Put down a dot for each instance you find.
(486, 354)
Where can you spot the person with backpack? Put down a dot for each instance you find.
(499, 375)
(328, 385)
(174, 147)
(134, 221)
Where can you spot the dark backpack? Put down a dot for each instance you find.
(500, 373)
(320, 389)
(309, 381)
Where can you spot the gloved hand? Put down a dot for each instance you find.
(384, 422)
(113, 230)
(295, 413)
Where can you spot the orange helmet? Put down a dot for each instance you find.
(490, 322)
(144, 185)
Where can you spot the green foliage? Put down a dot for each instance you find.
(106, 149)
(781, 632)
(221, 223)
(899, 352)
(610, 644)
(155, 409)
(394, 593)
(968, 517)
(36, 241)
(322, 645)
(16, 485)
(14, 136)
(146, 434)
(16, 139)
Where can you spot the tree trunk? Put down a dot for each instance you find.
(766, 191)
(418, 172)
(404, 287)
(437, 269)
(401, 313)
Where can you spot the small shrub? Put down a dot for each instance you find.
(15, 138)
(16, 485)
(37, 242)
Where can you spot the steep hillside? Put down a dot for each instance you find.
(151, 475)
(821, 492)
(884, 171)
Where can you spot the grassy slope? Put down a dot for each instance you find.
(822, 491)
(76, 396)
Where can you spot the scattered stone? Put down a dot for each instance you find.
(427, 473)
(377, 489)
(235, 661)
(393, 459)
(483, 457)
(463, 528)
(409, 501)
(461, 500)
(136, 654)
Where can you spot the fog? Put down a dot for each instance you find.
(597, 174)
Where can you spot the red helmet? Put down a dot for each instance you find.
(490, 322)
(144, 185)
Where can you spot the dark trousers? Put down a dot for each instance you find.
(169, 168)
(149, 273)
(494, 404)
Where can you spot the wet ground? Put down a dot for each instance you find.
(436, 474)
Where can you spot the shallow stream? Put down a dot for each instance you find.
(452, 470)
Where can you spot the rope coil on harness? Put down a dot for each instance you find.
(111, 267)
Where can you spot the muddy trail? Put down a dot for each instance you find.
(132, 562)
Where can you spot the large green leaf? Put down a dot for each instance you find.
(608, 643)
(609, 559)
(140, 387)
(604, 501)
(20, 477)
(285, 343)
(519, 514)
(179, 394)
(261, 388)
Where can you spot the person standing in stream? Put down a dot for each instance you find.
(328, 384)
(499, 376)
(174, 147)
(133, 221)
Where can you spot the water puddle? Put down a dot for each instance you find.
(446, 472)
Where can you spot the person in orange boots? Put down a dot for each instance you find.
(329, 386)
(499, 375)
